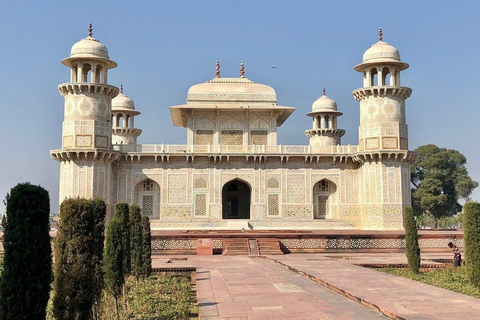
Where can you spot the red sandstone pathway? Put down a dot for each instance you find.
(405, 298)
(239, 287)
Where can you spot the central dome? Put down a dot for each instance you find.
(231, 90)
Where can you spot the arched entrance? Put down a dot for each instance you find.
(236, 200)
(147, 196)
(322, 199)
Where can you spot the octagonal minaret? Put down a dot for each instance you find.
(123, 120)
(86, 155)
(325, 114)
(383, 156)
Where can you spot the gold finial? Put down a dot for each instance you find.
(121, 87)
(380, 34)
(324, 91)
(90, 29)
(242, 70)
(217, 69)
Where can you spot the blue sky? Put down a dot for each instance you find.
(164, 47)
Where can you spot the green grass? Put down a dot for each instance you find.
(454, 279)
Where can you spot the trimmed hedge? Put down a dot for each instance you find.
(411, 240)
(136, 241)
(27, 264)
(123, 217)
(147, 247)
(471, 225)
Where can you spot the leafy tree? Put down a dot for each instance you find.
(25, 284)
(440, 179)
(122, 216)
(471, 224)
(99, 214)
(76, 259)
(411, 240)
(113, 260)
(136, 241)
(147, 247)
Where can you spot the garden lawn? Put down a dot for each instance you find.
(454, 279)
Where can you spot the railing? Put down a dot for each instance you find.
(234, 149)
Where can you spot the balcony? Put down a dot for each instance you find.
(235, 149)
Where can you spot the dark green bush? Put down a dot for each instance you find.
(123, 217)
(147, 247)
(77, 259)
(411, 240)
(25, 283)
(471, 225)
(136, 241)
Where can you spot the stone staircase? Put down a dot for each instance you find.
(235, 247)
(268, 246)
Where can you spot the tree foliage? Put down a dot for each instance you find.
(147, 247)
(113, 260)
(25, 283)
(136, 241)
(123, 217)
(471, 224)
(76, 258)
(440, 179)
(99, 215)
(411, 240)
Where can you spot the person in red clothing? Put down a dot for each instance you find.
(457, 256)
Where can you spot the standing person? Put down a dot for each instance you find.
(457, 256)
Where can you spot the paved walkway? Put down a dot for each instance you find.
(240, 287)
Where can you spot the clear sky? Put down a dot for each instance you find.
(164, 47)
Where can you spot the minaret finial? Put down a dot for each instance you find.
(324, 91)
(217, 69)
(90, 29)
(121, 87)
(242, 70)
(380, 34)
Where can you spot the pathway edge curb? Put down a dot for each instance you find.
(340, 291)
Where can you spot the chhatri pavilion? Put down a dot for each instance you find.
(232, 173)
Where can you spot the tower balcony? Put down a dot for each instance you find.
(87, 87)
(381, 91)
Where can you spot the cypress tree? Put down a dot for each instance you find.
(411, 241)
(99, 214)
(113, 260)
(25, 284)
(471, 230)
(122, 216)
(136, 241)
(146, 247)
(75, 260)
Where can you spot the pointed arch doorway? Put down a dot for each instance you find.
(236, 197)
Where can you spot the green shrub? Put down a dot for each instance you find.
(113, 261)
(146, 247)
(123, 217)
(162, 298)
(136, 241)
(99, 215)
(411, 241)
(27, 265)
(471, 225)
(76, 258)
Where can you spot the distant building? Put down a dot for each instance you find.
(232, 172)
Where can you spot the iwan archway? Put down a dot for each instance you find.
(236, 200)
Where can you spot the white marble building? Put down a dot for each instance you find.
(232, 173)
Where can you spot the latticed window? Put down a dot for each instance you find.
(273, 205)
(201, 204)
(148, 185)
(232, 137)
(204, 137)
(323, 186)
(259, 137)
(147, 204)
(322, 206)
